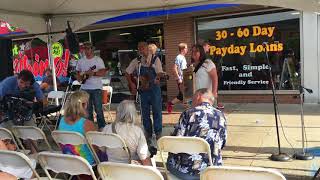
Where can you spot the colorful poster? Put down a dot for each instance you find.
(34, 57)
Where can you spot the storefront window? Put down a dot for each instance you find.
(241, 47)
(118, 47)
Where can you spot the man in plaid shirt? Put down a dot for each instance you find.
(205, 121)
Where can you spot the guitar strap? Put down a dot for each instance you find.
(153, 60)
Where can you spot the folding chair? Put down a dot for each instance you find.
(106, 105)
(16, 160)
(32, 133)
(178, 144)
(109, 141)
(68, 137)
(6, 134)
(240, 173)
(120, 171)
(51, 109)
(65, 163)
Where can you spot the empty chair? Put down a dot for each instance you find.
(120, 171)
(52, 95)
(17, 164)
(32, 133)
(112, 142)
(65, 163)
(73, 143)
(240, 173)
(178, 144)
(52, 109)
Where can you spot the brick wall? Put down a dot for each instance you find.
(176, 31)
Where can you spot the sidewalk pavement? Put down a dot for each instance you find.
(252, 136)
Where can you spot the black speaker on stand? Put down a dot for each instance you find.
(72, 40)
(6, 68)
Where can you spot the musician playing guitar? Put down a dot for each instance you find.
(149, 88)
(90, 70)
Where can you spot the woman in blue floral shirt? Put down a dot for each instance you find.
(202, 120)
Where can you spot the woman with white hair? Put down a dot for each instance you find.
(125, 126)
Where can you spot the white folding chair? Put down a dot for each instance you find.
(110, 141)
(120, 171)
(240, 173)
(65, 163)
(6, 134)
(68, 137)
(52, 109)
(52, 95)
(32, 133)
(16, 160)
(106, 106)
(178, 144)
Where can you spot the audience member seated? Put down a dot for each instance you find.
(125, 126)
(202, 120)
(74, 119)
(9, 173)
(47, 83)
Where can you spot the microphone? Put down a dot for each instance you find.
(309, 90)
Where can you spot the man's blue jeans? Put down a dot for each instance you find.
(95, 101)
(152, 97)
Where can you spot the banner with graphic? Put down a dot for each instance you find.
(34, 57)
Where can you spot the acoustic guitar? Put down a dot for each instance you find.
(145, 81)
(84, 77)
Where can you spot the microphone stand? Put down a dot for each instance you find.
(303, 155)
(276, 156)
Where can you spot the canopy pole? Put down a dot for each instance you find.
(51, 60)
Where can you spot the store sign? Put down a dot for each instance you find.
(40, 65)
(252, 47)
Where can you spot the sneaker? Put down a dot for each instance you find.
(169, 107)
(220, 106)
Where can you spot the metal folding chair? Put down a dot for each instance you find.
(120, 171)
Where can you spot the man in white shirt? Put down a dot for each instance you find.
(179, 65)
(149, 89)
(93, 67)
